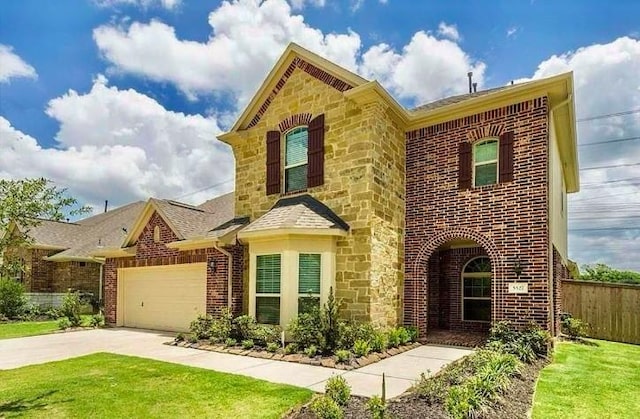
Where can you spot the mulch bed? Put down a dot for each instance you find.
(319, 360)
(514, 404)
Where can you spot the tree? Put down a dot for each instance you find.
(25, 203)
(604, 273)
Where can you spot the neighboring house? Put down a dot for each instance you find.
(57, 257)
(448, 216)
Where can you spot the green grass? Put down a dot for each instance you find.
(597, 380)
(22, 329)
(114, 386)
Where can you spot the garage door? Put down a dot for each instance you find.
(162, 298)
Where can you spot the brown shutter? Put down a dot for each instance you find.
(315, 152)
(506, 157)
(464, 165)
(273, 162)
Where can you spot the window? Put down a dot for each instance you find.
(295, 165)
(156, 234)
(476, 290)
(485, 162)
(268, 289)
(308, 282)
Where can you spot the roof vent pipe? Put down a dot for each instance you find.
(470, 74)
(475, 86)
(106, 205)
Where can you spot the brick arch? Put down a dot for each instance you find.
(419, 272)
(294, 121)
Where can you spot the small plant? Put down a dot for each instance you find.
(64, 323)
(378, 342)
(247, 344)
(291, 348)
(201, 327)
(305, 329)
(230, 342)
(192, 339)
(330, 324)
(326, 408)
(12, 300)
(97, 320)
(413, 333)
(311, 351)
(71, 306)
(272, 347)
(464, 401)
(221, 326)
(403, 335)
(361, 348)
(393, 338)
(572, 327)
(179, 337)
(433, 389)
(343, 355)
(243, 327)
(377, 407)
(338, 389)
(263, 334)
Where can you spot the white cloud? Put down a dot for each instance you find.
(121, 145)
(512, 31)
(448, 31)
(11, 65)
(606, 81)
(356, 5)
(167, 4)
(300, 4)
(426, 69)
(248, 37)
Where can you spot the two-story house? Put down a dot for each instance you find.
(448, 216)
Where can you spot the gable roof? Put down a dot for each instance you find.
(450, 100)
(53, 234)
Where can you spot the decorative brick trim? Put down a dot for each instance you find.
(308, 68)
(294, 121)
(484, 132)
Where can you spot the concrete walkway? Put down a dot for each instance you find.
(401, 371)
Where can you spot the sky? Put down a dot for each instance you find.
(120, 100)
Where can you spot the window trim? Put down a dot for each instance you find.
(257, 294)
(293, 166)
(464, 275)
(474, 164)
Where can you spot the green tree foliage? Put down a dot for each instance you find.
(26, 202)
(603, 273)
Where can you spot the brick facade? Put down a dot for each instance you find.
(152, 253)
(508, 220)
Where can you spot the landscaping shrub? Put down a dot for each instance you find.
(311, 351)
(201, 326)
(305, 329)
(572, 327)
(291, 348)
(192, 339)
(403, 336)
(413, 333)
(527, 345)
(247, 344)
(330, 324)
(338, 389)
(361, 348)
(64, 323)
(465, 401)
(264, 334)
(97, 320)
(378, 342)
(393, 338)
(432, 389)
(243, 327)
(71, 308)
(272, 347)
(230, 342)
(12, 299)
(222, 326)
(343, 355)
(377, 407)
(326, 408)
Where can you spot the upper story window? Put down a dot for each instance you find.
(485, 162)
(295, 166)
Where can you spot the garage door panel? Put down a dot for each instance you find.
(163, 298)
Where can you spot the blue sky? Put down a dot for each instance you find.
(145, 84)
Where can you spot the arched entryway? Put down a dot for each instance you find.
(452, 284)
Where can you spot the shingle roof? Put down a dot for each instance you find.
(299, 212)
(457, 99)
(55, 233)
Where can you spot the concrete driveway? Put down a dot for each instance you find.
(401, 371)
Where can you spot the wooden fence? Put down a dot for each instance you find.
(612, 310)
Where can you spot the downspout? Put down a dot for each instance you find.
(229, 272)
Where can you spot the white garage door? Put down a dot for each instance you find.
(163, 297)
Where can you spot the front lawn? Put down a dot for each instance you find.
(22, 329)
(598, 379)
(114, 386)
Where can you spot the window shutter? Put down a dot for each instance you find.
(506, 157)
(315, 171)
(273, 162)
(464, 166)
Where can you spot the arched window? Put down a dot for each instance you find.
(485, 162)
(476, 290)
(295, 159)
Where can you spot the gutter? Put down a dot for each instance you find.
(229, 272)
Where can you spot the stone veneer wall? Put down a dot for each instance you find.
(150, 253)
(364, 162)
(507, 219)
